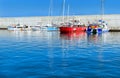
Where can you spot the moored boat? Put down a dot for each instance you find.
(72, 27)
(18, 27)
(11, 28)
(44, 28)
(35, 28)
(50, 27)
(99, 27)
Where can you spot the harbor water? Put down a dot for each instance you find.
(42, 54)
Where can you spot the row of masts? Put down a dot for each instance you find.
(102, 9)
(67, 18)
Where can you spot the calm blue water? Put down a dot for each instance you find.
(55, 55)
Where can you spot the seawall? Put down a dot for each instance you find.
(112, 20)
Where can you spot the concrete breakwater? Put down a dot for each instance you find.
(111, 30)
(112, 20)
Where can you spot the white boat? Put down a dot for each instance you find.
(35, 28)
(11, 28)
(18, 27)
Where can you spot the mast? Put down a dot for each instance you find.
(102, 9)
(63, 9)
(50, 10)
(68, 12)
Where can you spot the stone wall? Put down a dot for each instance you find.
(112, 20)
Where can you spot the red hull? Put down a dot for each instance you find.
(72, 29)
(70, 36)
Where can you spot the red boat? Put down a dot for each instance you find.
(72, 26)
(66, 29)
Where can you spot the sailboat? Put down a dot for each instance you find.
(72, 26)
(50, 26)
(100, 26)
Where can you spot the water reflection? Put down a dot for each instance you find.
(50, 54)
(94, 38)
(37, 35)
(72, 36)
(104, 38)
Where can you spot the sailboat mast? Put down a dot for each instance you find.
(102, 9)
(50, 8)
(68, 10)
(68, 13)
(63, 9)
(50, 11)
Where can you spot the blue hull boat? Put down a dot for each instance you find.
(97, 30)
(99, 27)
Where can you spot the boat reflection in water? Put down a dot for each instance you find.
(95, 38)
(72, 36)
